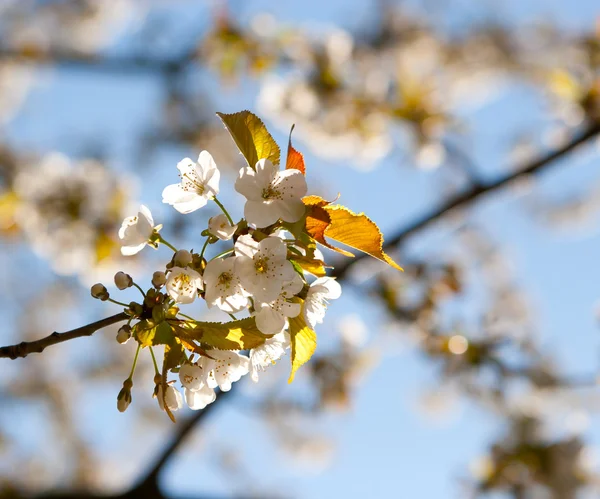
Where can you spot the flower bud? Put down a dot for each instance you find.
(124, 396)
(182, 258)
(123, 280)
(159, 313)
(134, 309)
(124, 334)
(100, 292)
(158, 279)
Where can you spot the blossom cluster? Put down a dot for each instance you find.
(257, 278)
(271, 280)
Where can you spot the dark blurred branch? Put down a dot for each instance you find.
(473, 194)
(24, 348)
(149, 483)
(130, 64)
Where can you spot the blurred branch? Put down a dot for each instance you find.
(131, 64)
(149, 483)
(473, 194)
(26, 347)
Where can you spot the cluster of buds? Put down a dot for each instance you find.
(272, 280)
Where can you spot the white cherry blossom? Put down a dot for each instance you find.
(320, 291)
(199, 183)
(223, 286)
(135, 232)
(267, 354)
(271, 316)
(220, 227)
(183, 284)
(271, 194)
(224, 368)
(262, 266)
(192, 377)
(173, 398)
(199, 399)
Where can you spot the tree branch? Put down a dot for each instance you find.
(474, 193)
(131, 64)
(149, 482)
(24, 348)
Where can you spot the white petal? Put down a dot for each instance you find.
(291, 184)
(201, 398)
(147, 215)
(269, 321)
(291, 210)
(290, 309)
(273, 247)
(190, 205)
(261, 213)
(328, 287)
(132, 250)
(248, 185)
(246, 246)
(186, 166)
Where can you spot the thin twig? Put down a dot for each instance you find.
(474, 193)
(24, 348)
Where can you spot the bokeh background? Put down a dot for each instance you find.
(467, 129)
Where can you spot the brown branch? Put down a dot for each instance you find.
(24, 348)
(131, 64)
(474, 193)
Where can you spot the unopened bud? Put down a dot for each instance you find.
(100, 292)
(159, 313)
(124, 334)
(182, 258)
(159, 279)
(124, 396)
(134, 309)
(123, 280)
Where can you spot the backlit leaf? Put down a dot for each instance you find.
(234, 335)
(337, 222)
(303, 343)
(295, 159)
(251, 136)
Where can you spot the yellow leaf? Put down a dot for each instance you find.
(234, 335)
(311, 265)
(340, 224)
(251, 136)
(295, 159)
(303, 342)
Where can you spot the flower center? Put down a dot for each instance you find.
(270, 193)
(191, 183)
(188, 379)
(225, 279)
(182, 283)
(261, 265)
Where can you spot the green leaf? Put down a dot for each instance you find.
(303, 341)
(235, 335)
(173, 355)
(163, 334)
(144, 331)
(251, 136)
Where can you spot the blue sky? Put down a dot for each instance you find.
(385, 447)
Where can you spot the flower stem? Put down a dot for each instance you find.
(187, 317)
(204, 248)
(156, 371)
(232, 316)
(226, 252)
(141, 290)
(137, 353)
(167, 243)
(224, 210)
(118, 302)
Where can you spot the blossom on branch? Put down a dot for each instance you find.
(199, 183)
